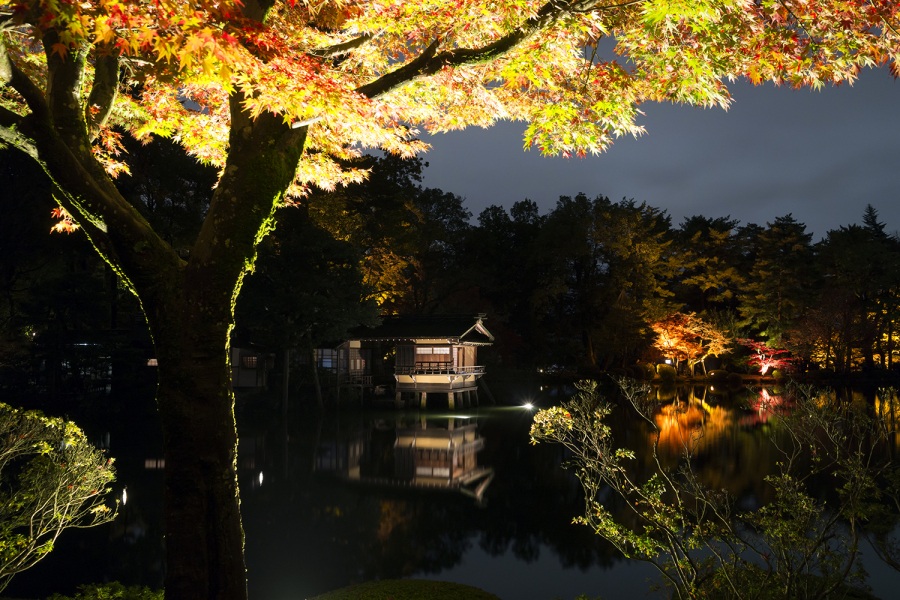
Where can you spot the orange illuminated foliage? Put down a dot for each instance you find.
(688, 338)
(65, 224)
(368, 74)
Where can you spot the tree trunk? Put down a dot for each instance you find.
(204, 537)
(188, 304)
(190, 311)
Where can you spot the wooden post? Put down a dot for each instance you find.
(451, 402)
(315, 373)
(423, 399)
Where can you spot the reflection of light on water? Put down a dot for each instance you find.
(692, 425)
(125, 495)
(764, 406)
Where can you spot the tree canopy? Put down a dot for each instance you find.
(368, 74)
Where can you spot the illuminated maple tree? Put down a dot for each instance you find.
(279, 94)
(764, 357)
(689, 339)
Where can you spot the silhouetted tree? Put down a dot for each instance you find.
(779, 273)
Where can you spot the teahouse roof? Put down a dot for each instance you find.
(456, 329)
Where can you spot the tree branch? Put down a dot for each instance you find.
(262, 162)
(55, 135)
(9, 119)
(342, 48)
(104, 90)
(20, 82)
(430, 61)
(422, 65)
(65, 81)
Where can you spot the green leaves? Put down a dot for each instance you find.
(51, 478)
(794, 546)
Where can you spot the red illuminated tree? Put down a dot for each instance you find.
(765, 358)
(279, 94)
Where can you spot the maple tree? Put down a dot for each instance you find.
(765, 357)
(688, 338)
(278, 95)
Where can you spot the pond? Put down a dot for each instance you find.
(363, 494)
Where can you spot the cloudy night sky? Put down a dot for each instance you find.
(821, 156)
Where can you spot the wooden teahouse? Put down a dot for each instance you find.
(430, 354)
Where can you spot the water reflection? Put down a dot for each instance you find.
(357, 495)
(429, 453)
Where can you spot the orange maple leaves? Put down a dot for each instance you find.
(688, 338)
(66, 223)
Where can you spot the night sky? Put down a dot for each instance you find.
(821, 156)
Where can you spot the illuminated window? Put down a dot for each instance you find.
(249, 362)
(327, 358)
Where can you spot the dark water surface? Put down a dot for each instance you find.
(373, 494)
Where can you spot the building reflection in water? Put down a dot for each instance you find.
(438, 454)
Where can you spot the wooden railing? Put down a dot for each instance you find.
(356, 378)
(438, 368)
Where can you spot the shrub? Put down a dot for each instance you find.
(719, 376)
(51, 479)
(666, 372)
(112, 591)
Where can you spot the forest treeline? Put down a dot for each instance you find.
(593, 284)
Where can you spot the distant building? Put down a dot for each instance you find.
(250, 367)
(425, 355)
